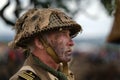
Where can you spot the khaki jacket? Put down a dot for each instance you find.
(31, 71)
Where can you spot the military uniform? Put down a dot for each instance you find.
(33, 71)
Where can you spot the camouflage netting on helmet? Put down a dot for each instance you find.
(36, 21)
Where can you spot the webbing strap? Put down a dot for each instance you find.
(65, 68)
(50, 50)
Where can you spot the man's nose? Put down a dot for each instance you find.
(71, 43)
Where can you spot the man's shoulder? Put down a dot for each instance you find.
(25, 75)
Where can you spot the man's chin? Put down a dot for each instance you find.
(67, 60)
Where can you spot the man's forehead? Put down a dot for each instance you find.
(56, 32)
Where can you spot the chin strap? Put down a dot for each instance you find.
(53, 54)
(65, 68)
(50, 50)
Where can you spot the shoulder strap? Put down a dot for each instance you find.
(27, 67)
(27, 75)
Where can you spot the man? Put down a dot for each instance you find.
(48, 34)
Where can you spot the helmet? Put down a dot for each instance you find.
(37, 21)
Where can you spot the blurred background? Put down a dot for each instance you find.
(97, 45)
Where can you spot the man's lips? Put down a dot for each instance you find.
(69, 52)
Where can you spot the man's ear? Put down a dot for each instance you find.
(38, 44)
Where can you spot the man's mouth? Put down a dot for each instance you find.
(69, 52)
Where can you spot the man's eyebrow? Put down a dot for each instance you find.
(64, 31)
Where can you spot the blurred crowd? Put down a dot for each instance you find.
(96, 62)
(10, 61)
(89, 61)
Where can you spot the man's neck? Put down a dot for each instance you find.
(46, 58)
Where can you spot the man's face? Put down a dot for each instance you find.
(61, 43)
